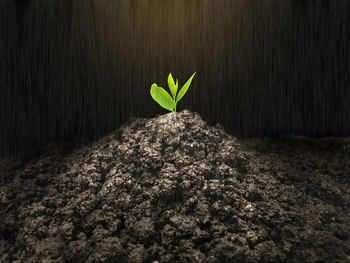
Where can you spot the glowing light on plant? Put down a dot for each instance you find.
(164, 99)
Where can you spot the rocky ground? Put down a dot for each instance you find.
(173, 189)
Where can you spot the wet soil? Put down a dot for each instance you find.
(173, 189)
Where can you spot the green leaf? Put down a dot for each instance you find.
(172, 85)
(162, 97)
(184, 88)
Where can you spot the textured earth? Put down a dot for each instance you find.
(174, 189)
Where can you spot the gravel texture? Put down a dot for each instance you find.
(173, 189)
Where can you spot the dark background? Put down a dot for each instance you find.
(82, 67)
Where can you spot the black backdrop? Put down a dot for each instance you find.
(82, 67)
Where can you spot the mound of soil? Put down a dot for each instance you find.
(173, 189)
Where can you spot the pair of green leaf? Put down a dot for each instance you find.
(164, 99)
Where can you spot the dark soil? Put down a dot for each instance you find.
(173, 189)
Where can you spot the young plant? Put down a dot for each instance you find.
(164, 99)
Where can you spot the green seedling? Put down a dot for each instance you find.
(164, 99)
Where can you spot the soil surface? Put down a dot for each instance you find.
(173, 189)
